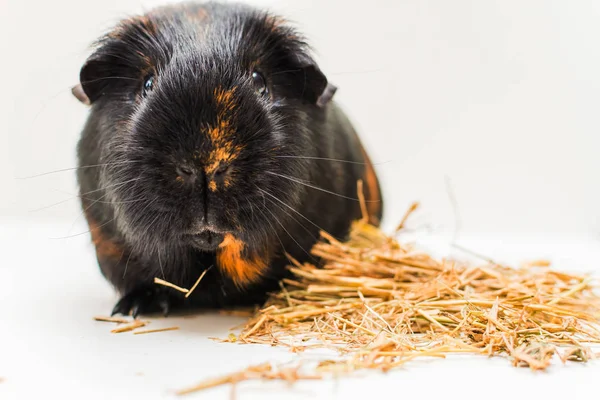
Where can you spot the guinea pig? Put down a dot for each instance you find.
(212, 144)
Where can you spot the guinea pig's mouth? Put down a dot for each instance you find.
(205, 240)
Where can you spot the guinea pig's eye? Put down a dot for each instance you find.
(260, 85)
(148, 85)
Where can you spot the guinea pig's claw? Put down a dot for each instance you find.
(145, 300)
(122, 307)
(135, 311)
(164, 306)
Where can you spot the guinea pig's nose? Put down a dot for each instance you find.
(186, 173)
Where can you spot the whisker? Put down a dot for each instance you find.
(364, 71)
(141, 212)
(82, 213)
(75, 196)
(332, 159)
(285, 72)
(121, 257)
(98, 199)
(117, 202)
(127, 264)
(53, 205)
(126, 78)
(291, 237)
(318, 188)
(294, 218)
(75, 168)
(162, 271)
(86, 198)
(291, 208)
(151, 224)
(47, 102)
(272, 227)
(118, 184)
(82, 233)
(154, 243)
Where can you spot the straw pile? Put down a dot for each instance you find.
(380, 303)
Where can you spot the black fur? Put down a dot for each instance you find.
(143, 216)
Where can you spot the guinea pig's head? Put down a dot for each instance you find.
(200, 111)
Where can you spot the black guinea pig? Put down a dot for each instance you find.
(212, 145)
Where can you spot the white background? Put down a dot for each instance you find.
(499, 97)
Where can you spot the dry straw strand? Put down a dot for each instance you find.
(172, 328)
(127, 328)
(159, 281)
(196, 284)
(112, 319)
(256, 372)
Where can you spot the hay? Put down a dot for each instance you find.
(162, 282)
(130, 327)
(197, 282)
(111, 319)
(380, 304)
(256, 372)
(143, 332)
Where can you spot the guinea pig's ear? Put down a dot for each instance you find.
(327, 94)
(316, 88)
(80, 95)
(92, 82)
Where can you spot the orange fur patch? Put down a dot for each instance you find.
(224, 154)
(212, 185)
(224, 99)
(224, 150)
(104, 248)
(219, 132)
(372, 193)
(243, 271)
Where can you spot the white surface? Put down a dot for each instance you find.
(50, 346)
(501, 96)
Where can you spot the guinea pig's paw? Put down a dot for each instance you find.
(144, 300)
